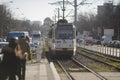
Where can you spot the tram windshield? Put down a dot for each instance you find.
(65, 32)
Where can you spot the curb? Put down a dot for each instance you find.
(55, 73)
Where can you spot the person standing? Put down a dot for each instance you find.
(25, 48)
(9, 64)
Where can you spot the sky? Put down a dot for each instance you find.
(38, 10)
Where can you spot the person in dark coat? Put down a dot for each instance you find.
(25, 48)
(9, 64)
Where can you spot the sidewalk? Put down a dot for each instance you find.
(40, 71)
(40, 68)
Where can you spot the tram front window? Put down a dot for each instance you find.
(64, 35)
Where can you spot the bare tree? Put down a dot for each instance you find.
(110, 19)
(5, 20)
(86, 22)
(8, 23)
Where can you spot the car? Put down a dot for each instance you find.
(96, 42)
(117, 44)
(33, 50)
(114, 43)
(36, 44)
(32, 47)
(2, 44)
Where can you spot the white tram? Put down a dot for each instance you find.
(63, 39)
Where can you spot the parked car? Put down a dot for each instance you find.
(109, 43)
(117, 44)
(114, 43)
(2, 44)
(89, 42)
(96, 42)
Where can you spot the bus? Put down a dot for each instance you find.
(36, 37)
(18, 34)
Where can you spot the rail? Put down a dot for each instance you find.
(67, 73)
(102, 61)
(95, 73)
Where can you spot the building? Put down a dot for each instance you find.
(46, 26)
(107, 16)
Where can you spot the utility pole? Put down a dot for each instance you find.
(58, 13)
(75, 9)
(75, 12)
(63, 9)
(75, 5)
(55, 18)
(62, 5)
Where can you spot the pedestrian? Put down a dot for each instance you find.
(25, 48)
(9, 64)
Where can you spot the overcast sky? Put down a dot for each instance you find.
(40, 9)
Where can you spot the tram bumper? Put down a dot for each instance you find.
(63, 51)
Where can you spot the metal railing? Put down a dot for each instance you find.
(103, 49)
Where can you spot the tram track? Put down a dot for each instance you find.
(79, 64)
(90, 63)
(65, 71)
(100, 55)
(90, 70)
(106, 60)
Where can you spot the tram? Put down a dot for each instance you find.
(63, 38)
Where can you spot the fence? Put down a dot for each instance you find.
(103, 50)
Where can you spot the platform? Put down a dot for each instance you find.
(41, 71)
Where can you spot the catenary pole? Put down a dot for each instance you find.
(75, 12)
